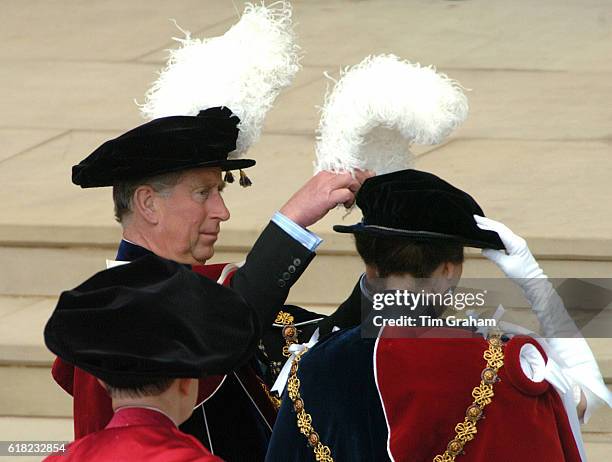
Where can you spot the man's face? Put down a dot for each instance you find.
(190, 216)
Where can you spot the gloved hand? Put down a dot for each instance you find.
(518, 264)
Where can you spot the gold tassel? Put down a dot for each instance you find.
(229, 177)
(244, 180)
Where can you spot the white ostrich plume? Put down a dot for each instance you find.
(245, 69)
(379, 108)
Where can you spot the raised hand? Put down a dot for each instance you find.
(321, 193)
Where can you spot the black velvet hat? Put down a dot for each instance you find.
(151, 318)
(422, 206)
(164, 145)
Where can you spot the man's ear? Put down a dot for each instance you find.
(184, 386)
(371, 272)
(452, 271)
(145, 204)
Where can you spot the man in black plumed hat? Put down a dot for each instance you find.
(167, 181)
(409, 393)
(147, 331)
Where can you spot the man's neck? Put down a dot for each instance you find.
(165, 407)
(134, 237)
(402, 282)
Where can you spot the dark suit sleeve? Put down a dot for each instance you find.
(273, 265)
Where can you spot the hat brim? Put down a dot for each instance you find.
(236, 164)
(224, 165)
(381, 231)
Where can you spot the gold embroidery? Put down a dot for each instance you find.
(289, 333)
(283, 318)
(304, 420)
(276, 402)
(483, 394)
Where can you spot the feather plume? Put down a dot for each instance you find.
(245, 69)
(379, 108)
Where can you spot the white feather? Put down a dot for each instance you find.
(245, 69)
(379, 108)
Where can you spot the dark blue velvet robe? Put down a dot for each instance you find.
(340, 365)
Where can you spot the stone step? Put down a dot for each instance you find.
(44, 261)
(49, 429)
(598, 446)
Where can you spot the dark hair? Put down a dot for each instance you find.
(153, 386)
(123, 193)
(398, 255)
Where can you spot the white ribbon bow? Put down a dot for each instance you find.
(294, 349)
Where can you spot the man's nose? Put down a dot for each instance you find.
(220, 211)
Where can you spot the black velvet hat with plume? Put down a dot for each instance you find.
(419, 206)
(164, 145)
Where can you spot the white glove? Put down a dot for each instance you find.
(519, 265)
(555, 323)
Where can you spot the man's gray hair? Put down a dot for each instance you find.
(123, 193)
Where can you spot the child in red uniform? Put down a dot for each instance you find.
(168, 327)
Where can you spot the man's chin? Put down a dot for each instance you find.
(200, 258)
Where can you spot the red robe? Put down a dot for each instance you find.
(425, 387)
(133, 435)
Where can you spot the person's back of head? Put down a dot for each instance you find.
(415, 226)
(149, 329)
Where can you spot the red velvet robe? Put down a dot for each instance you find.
(425, 387)
(133, 435)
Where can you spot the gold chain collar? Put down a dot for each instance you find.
(483, 395)
(304, 420)
(290, 334)
(289, 331)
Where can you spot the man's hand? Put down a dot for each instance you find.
(322, 193)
